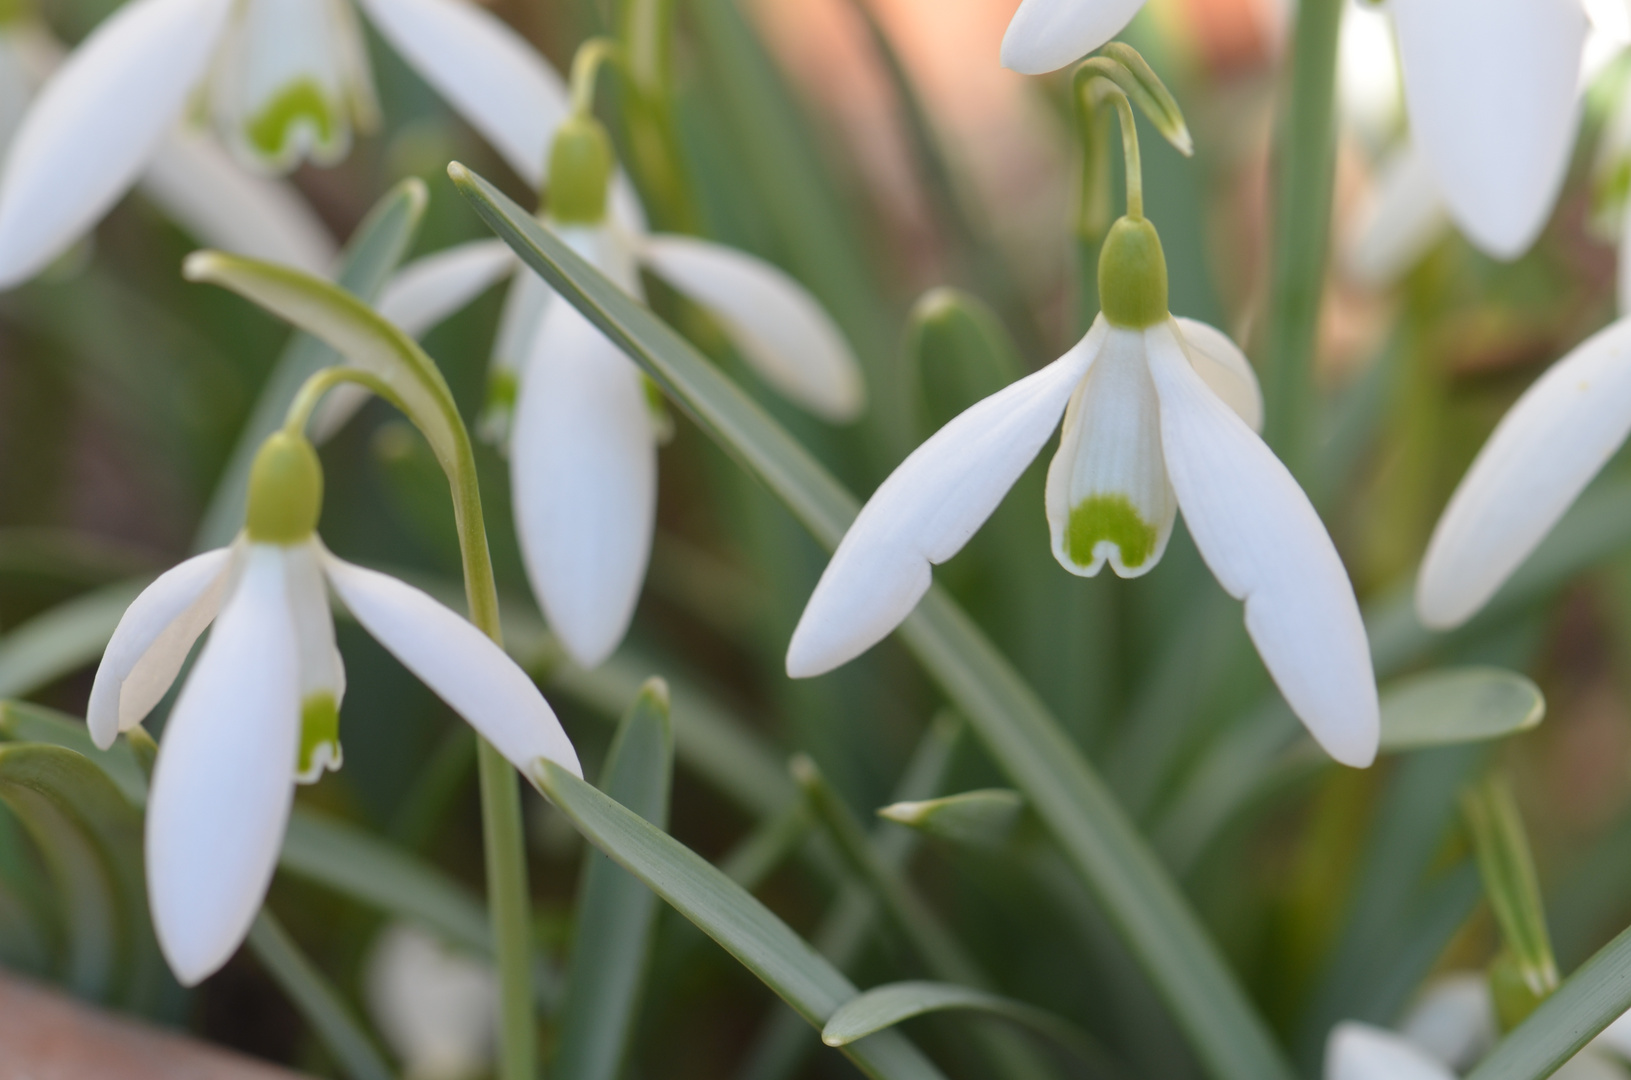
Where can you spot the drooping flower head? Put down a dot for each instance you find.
(260, 709)
(281, 81)
(1160, 414)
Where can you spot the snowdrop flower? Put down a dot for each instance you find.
(436, 1007)
(190, 178)
(1540, 457)
(1492, 88)
(282, 80)
(1160, 414)
(1402, 219)
(260, 709)
(1448, 1032)
(577, 414)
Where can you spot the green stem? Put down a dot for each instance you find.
(1307, 167)
(503, 838)
(586, 65)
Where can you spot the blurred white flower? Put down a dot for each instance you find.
(435, 1006)
(195, 183)
(1540, 457)
(1368, 87)
(1402, 217)
(1492, 88)
(1449, 1031)
(1162, 414)
(283, 80)
(260, 708)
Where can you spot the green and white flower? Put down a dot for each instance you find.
(259, 711)
(280, 81)
(1160, 414)
(435, 1006)
(1492, 88)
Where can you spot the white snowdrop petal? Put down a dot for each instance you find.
(926, 511)
(1223, 367)
(1402, 217)
(1591, 1064)
(524, 306)
(224, 779)
(437, 1008)
(95, 124)
(152, 641)
(1535, 464)
(1045, 35)
(201, 188)
(1107, 496)
(1616, 1037)
(1492, 87)
(1454, 1021)
(1265, 544)
(475, 677)
(1360, 1052)
(778, 326)
(484, 69)
(322, 671)
(430, 289)
(583, 475)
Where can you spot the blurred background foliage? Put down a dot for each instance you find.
(875, 150)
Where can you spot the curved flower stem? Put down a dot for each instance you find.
(586, 65)
(1307, 168)
(1093, 90)
(503, 840)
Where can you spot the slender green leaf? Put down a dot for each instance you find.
(24, 722)
(957, 352)
(63, 639)
(1588, 1001)
(89, 836)
(982, 818)
(318, 1002)
(727, 913)
(1083, 816)
(375, 250)
(1510, 881)
(615, 912)
(885, 1006)
(1455, 705)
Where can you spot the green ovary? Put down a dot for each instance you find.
(302, 99)
(1112, 518)
(319, 728)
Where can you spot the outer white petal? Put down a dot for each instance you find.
(437, 1008)
(779, 327)
(1225, 369)
(484, 69)
(1262, 539)
(1540, 457)
(1361, 1052)
(1108, 498)
(201, 188)
(583, 474)
(430, 289)
(224, 779)
(460, 663)
(1454, 1020)
(1616, 1037)
(96, 122)
(1590, 1064)
(927, 509)
(1400, 221)
(1493, 90)
(151, 643)
(1045, 35)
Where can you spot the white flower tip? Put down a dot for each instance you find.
(1354, 746)
(193, 957)
(1437, 608)
(1022, 53)
(817, 649)
(201, 265)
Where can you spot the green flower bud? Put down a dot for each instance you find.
(1133, 275)
(285, 491)
(580, 170)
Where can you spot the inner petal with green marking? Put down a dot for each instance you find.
(1108, 497)
(301, 112)
(319, 737)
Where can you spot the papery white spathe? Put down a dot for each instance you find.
(1157, 420)
(285, 79)
(231, 751)
(191, 179)
(437, 1008)
(581, 437)
(1540, 457)
(1492, 88)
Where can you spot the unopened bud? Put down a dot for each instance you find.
(285, 491)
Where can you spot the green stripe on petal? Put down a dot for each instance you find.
(300, 103)
(1109, 519)
(319, 738)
